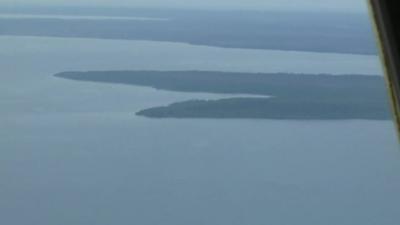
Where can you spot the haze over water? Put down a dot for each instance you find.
(74, 152)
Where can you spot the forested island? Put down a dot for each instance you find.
(287, 96)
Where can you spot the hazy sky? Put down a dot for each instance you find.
(314, 5)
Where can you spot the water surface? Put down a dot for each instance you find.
(75, 153)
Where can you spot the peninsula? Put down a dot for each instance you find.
(294, 96)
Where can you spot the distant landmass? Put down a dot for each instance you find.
(287, 96)
(296, 31)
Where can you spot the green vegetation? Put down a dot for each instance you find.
(296, 96)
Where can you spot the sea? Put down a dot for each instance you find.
(75, 153)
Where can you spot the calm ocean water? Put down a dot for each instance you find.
(75, 153)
